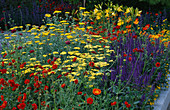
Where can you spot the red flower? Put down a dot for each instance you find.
(29, 88)
(114, 38)
(59, 76)
(13, 61)
(113, 103)
(48, 61)
(91, 64)
(3, 63)
(67, 42)
(2, 18)
(79, 93)
(117, 27)
(36, 91)
(93, 52)
(63, 85)
(128, 105)
(20, 34)
(52, 62)
(32, 74)
(20, 47)
(156, 14)
(43, 103)
(21, 106)
(4, 104)
(10, 63)
(5, 55)
(19, 6)
(31, 51)
(3, 71)
(92, 23)
(14, 108)
(27, 81)
(89, 100)
(54, 66)
(34, 106)
(66, 74)
(146, 27)
(14, 30)
(74, 60)
(46, 87)
(130, 58)
(2, 98)
(36, 85)
(124, 55)
(126, 102)
(157, 64)
(76, 81)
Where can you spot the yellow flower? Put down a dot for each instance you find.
(47, 15)
(37, 41)
(40, 43)
(81, 23)
(99, 14)
(57, 12)
(67, 12)
(44, 55)
(82, 8)
(120, 22)
(95, 10)
(55, 52)
(7, 37)
(50, 43)
(77, 48)
(63, 53)
(90, 85)
(119, 9)
(64, 21)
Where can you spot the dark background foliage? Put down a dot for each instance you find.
(33, 11)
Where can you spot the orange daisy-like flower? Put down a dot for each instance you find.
(96, 91)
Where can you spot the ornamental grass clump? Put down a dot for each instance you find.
(104, 61)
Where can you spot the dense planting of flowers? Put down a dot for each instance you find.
(106, 59)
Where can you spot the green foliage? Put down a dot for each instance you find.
(154, 2)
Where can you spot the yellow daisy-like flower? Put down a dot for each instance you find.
(37, 41)
(57, 12)
(7, 37)
(55, 52)
(67, 12)
(47, 15)
(81, 23)
(63, 53)
(77, 48)
(82, 8)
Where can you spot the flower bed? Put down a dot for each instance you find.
(106, 59)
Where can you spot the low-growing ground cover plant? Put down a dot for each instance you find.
(105, 59)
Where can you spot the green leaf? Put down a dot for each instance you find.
(136, 102)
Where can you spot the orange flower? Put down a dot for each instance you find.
(128, 26)
(91, 64)
(63, 85)
(96, 91)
